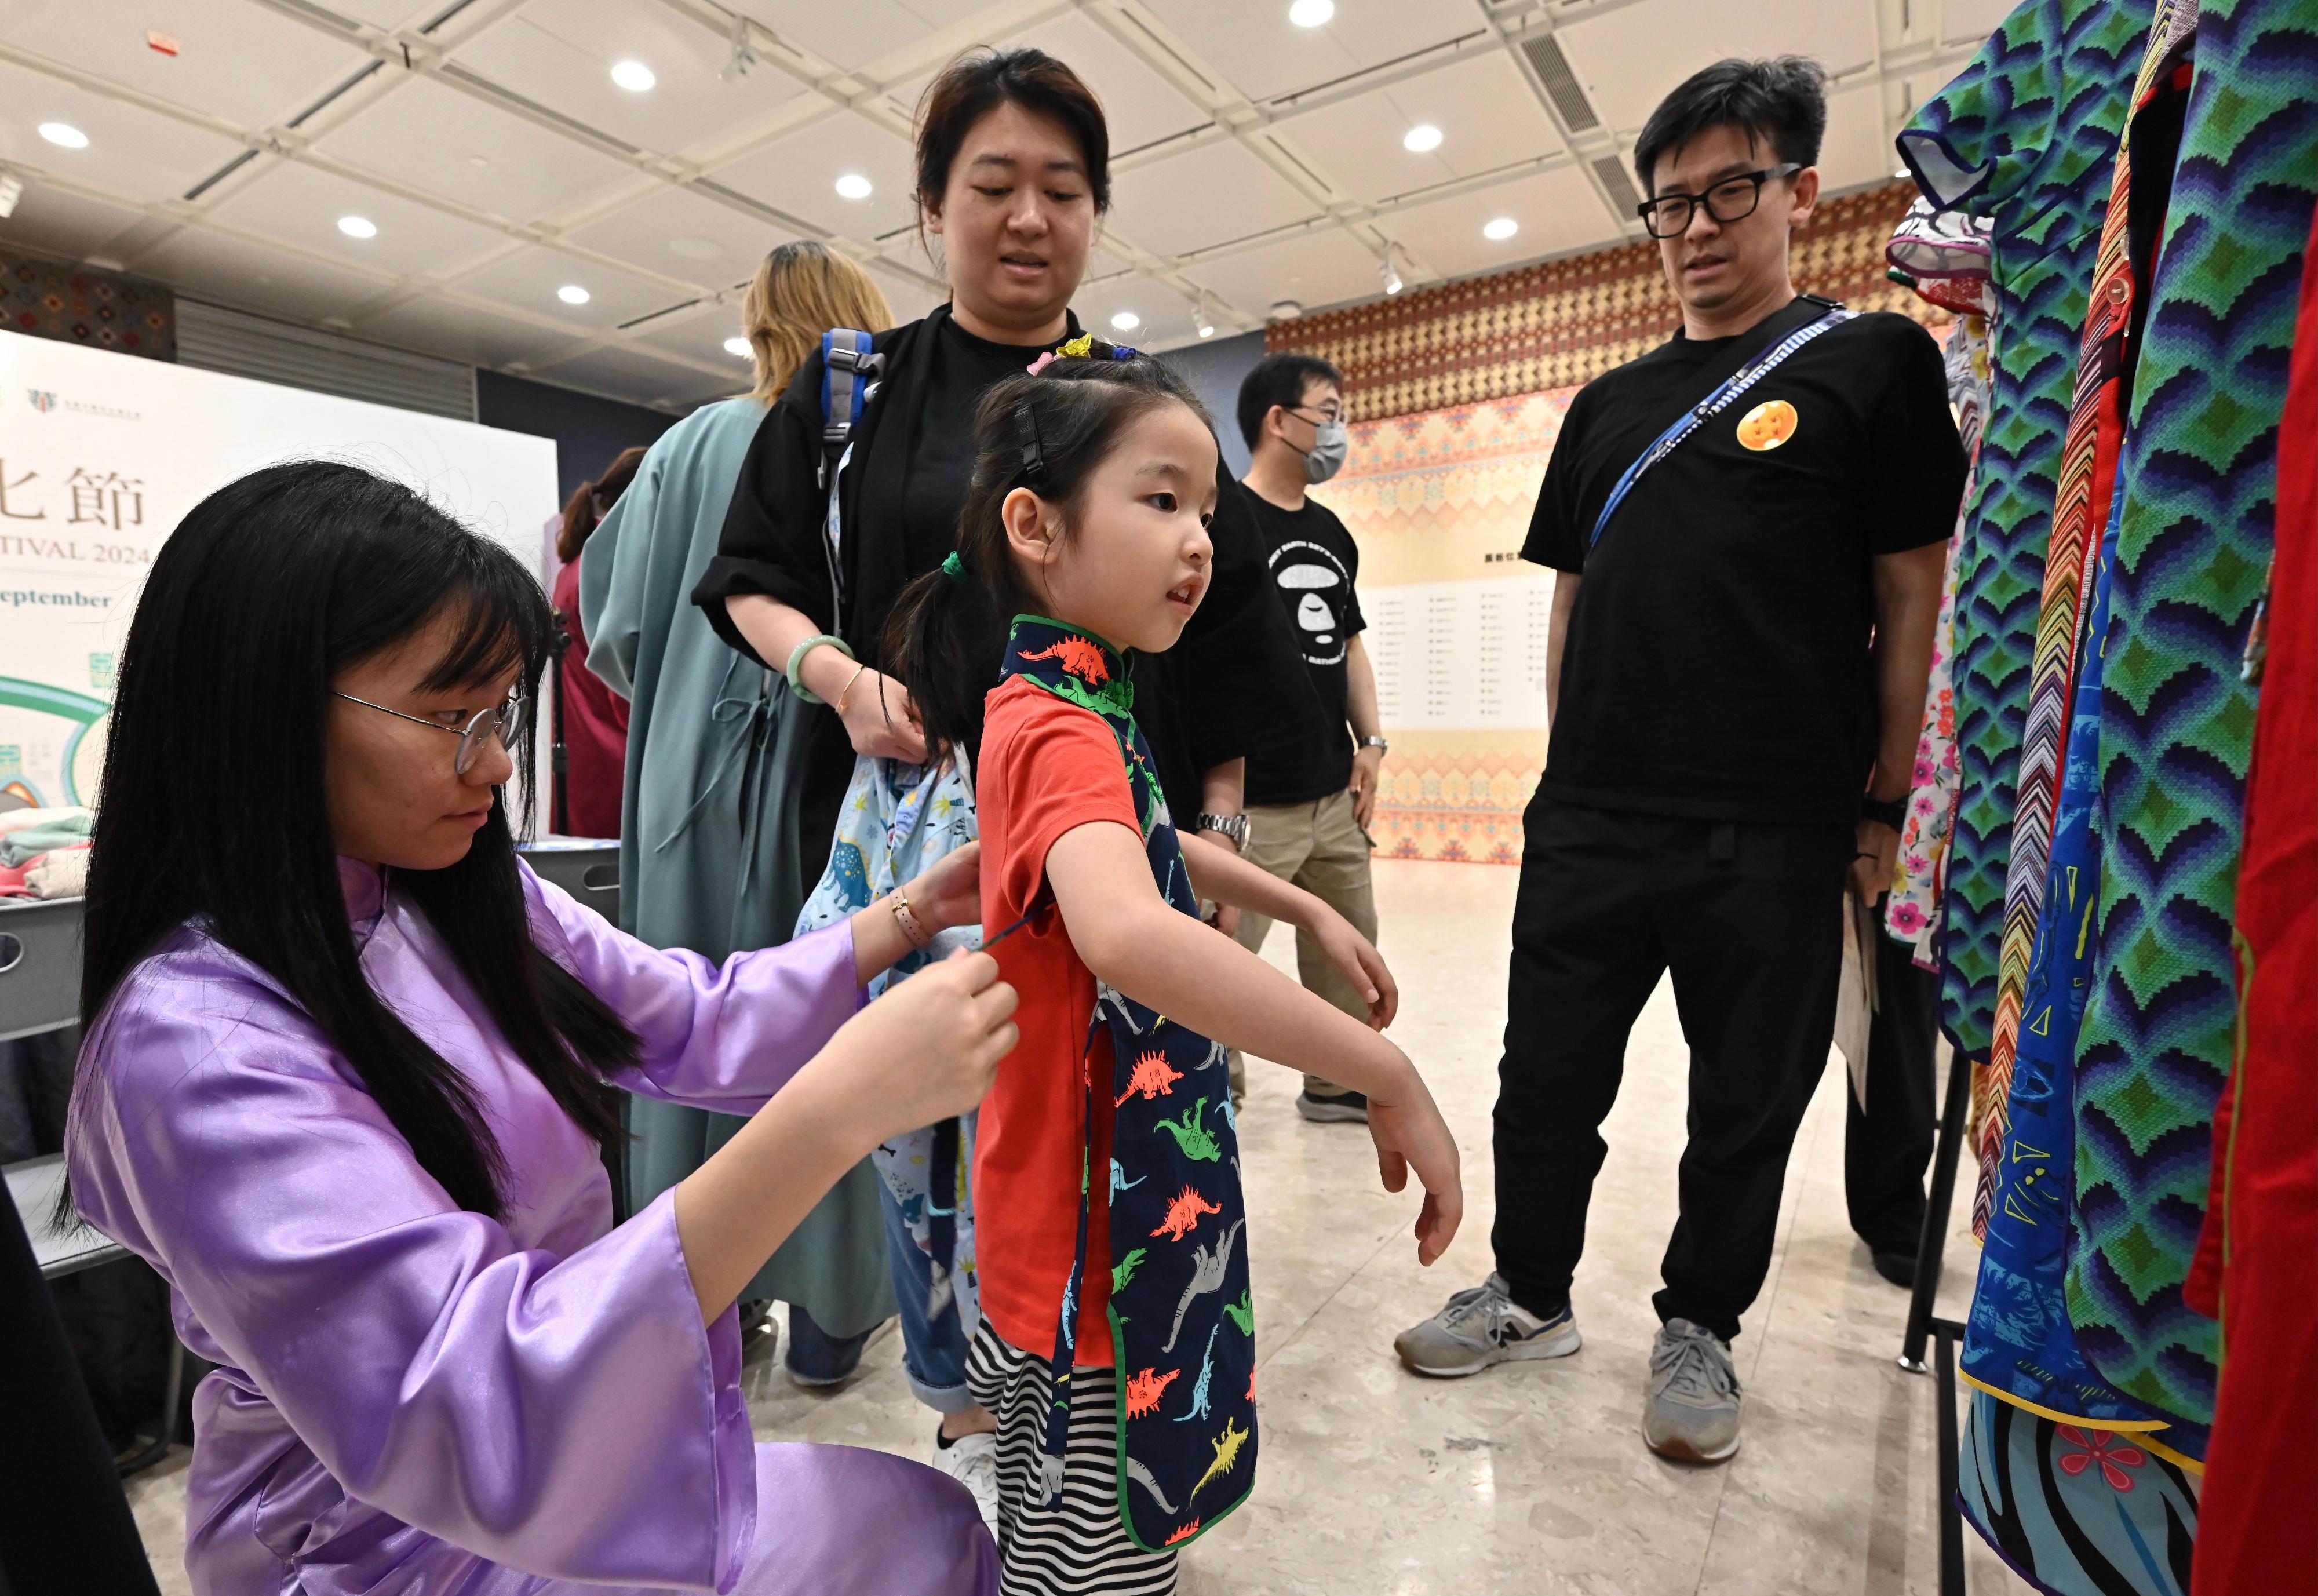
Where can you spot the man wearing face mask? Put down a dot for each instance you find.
(1309, 796)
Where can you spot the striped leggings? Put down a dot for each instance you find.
(1075, 1546)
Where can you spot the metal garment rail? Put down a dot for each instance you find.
(1945, 1334)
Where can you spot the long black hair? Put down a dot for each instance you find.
(213, 803)
(1066, 418)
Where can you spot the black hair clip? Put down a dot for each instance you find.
(1026, 432)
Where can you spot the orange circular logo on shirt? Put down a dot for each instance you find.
(1767, 425)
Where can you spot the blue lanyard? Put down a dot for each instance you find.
(1690, 420)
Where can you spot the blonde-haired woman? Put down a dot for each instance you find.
(708, 834)
(799, 292)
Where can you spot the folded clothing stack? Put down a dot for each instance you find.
(44, 852)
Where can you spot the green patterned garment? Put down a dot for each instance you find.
(2200, 476)
(2024, 137)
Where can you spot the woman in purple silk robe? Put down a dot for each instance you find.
(347, 1081)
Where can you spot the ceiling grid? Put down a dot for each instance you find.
(502, 172)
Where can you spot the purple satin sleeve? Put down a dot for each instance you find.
(723, 1037)
(565, 1414)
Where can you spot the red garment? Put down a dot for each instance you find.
(1047, 767)
(2257, 1534)
(595, 728)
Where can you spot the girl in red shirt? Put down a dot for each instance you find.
(1116, 1347)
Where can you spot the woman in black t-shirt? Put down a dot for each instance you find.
(1013, 177)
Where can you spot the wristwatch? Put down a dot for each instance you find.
(1378, 744)
(1886, 811)
(1232, 828)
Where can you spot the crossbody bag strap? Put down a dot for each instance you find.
(1713, 404)
(850, 370)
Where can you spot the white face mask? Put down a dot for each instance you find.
(1326, 458)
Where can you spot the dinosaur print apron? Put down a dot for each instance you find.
(1182, 1318)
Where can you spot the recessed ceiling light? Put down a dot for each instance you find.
(1504, 227)
(632, 75)
(1311, 13)
(853, 187)
(1421, 138)
(358, 226)
(571, 294)
(737, 346)
(64, 133)
(1126, 322)
(696, 249)
(477, 160)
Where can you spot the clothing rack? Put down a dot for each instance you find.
(1945, 1334)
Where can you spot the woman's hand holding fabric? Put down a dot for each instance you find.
(927, 1050)
(950, 893)
(881, 721)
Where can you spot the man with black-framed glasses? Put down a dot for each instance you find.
(1749, 524)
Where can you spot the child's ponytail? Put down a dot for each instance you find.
(941, 643)
(1047, 430)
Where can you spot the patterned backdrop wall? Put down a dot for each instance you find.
(1457, 395)
(76, 304)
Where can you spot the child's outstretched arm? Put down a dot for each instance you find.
(1165, 960)
(1227, 878)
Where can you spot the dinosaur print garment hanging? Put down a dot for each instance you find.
(1183, 1318)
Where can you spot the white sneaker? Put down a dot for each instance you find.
(972, 1460)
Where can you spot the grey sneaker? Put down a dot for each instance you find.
(1344, 1108)
(1482, 1326)
(1691, 1411)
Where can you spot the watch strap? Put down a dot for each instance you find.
(1888, 812)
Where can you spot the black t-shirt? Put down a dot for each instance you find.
(1716, 660)
(960, 370)
(1314, 564)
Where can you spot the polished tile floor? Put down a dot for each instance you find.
(1529, 1478)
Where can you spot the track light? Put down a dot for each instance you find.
(1389, 270)
(1201, 322)
(743, 56)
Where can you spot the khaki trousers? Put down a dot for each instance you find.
(1320, 848)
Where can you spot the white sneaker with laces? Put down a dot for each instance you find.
(972, 1460)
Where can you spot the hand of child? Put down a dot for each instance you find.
(1362, 965)
(1410, 1133)
(928, 1048)
(950, 892)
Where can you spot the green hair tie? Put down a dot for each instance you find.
(954, 568)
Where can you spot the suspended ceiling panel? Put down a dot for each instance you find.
(497, 160)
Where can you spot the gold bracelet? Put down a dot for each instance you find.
(848, 691)
(913, 928)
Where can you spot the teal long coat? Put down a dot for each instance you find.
(708, 846)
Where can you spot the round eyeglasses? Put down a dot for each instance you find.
(1733, 199)
(505, 720)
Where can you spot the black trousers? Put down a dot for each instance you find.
(1887, 1140)
(1749, 919)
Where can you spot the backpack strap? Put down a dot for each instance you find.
(850, 368)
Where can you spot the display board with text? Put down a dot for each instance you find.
(1438, 503)
(101, 454)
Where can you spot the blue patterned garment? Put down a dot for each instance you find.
(897, 819)
(2076, 1512)
(2024, 137)
(2199, 473)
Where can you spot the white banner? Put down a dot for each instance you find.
(101, 456)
